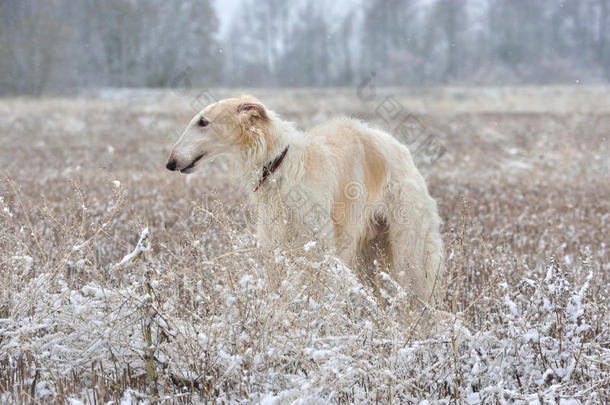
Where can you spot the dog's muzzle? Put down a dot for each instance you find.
(172, 164)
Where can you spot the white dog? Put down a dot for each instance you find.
(358, 179)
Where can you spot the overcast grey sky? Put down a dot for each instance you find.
(225, 10)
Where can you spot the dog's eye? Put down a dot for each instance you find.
(203, 122)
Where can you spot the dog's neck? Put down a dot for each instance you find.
(280, 155)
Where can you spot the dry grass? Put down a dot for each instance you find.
(203, 315)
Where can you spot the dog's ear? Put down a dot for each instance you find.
(252, 111)
(251, 118)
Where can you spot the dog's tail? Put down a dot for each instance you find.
(417, 246)
(434, 258)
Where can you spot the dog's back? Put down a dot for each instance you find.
(378, 191)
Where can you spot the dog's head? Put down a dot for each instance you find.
(238, 127)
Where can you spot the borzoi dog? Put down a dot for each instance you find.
(361, 181)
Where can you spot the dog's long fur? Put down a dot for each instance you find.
(357, 178)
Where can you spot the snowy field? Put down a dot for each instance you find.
(197, 313)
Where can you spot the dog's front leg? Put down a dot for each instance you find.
(275, 226)
(268, 228)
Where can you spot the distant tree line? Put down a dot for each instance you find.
(52, 45)
(55, 45)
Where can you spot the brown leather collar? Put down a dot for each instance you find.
(271, 167)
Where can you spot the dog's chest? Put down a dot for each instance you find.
(294, 208)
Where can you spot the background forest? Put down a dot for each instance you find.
(63, 46)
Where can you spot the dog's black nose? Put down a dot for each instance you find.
(171, 165)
